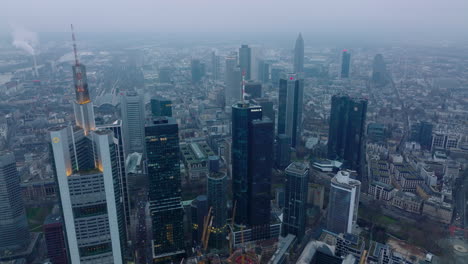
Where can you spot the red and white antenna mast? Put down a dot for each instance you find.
(77, 62)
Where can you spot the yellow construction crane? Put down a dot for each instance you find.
(231, 235)
(363, 257)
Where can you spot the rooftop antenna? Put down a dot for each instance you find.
(77, 62)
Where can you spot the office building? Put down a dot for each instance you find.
(161, 107)
(217, 200)
(88, 177)
(198, 70)
(299, 54)
(83, 107)
(343, 203)
(253, 90)
(421, 132)
(276, 73)
(14, 230)
(245, 61)
(263, 71)
(233, 80)
(347, 130)
(282, 151)
(167, 215)
(294, 213)
(345, 63)
(290, 104)
(267, 108)
(54, 236)
(133, 120)
(215, 66)
(199, 210)
(380, 76)
(252, 160)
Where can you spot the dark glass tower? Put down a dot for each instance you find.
(290, 103)
(199, 210)
(162, 147)
(252, 160)
(217, 199)
(54, 238)
(161, 107)
(346, 132)
(253, 90)
(380, 76)
(283, 151)
(14, 230)
(245, 61)
(345, 62)
(198, 70)
(299, 54)
(294, 218)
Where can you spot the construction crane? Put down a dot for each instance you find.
(363, 257)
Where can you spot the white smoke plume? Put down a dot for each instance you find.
(24, 39)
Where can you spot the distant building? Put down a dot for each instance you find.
(376, 132)
(422, 133)
(290, 107)
(343, 203)
(165, 74)
(217, 199)
(199, 210)
(233, 80)
(347, 130)
(215, 66)
(299, 54)
(195, 156)
(409, 202)
(161, 107)
(253, 90)
(198, 70)
(167, 215)
(263, 71)
(294, 212)
(14, 230)
(245, 61)
(345, 63)
(380, 76)
(133, 121)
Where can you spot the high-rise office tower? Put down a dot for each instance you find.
(90, 194)
(267, 108)
(133, 120)
(215, 66)
(294, 217)
(299, 54)
(14, 230)
(252, 161)
(346, 132)
(253, 90)
(345, 62)
(198, 70)
(290, 104)
(167, 214)
(54, 236)
(276, 73)
(263, 71)
(161, 107)
(83, 107)
(245, 61)
(380, 76)
(233, 80)
(217, 200)
(199, 210)
(343, 204)
(116, 128)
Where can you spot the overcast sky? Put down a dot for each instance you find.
(447, 17)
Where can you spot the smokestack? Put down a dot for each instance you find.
(35, 72)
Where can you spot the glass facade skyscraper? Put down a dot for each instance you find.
(294, 213)
(252, 161)
(161, 107)
(299, 54)
(217, 199)
(346, 132)
(345, 63)
(245, 61)
(167, 215)
(133, 120)
(290, 104)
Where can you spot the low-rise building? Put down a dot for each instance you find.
(381, 191)
(406, 201)
(438, 210)
(195, 156)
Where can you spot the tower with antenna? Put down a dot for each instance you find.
(83, 107)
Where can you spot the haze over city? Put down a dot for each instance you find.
(234, 132)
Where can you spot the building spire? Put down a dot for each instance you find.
(77, 62)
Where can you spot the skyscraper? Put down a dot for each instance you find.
(215, 65)
(83, 107)
(198, 70)
(343, 203)
(346, 132)
(161, 107)
(380, 76)
(133, 120)
(282, 151)
(290, 104)
(299, 54)
(217, 199)
(233, 79)
(294, 217)
(199, 210)
(14, 230)
(252, 160)
(253, 90)
(345, 62)
(167, 215)
(88, 178)
(263, 71)
(245, 61)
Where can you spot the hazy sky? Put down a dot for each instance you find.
(448, 17)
